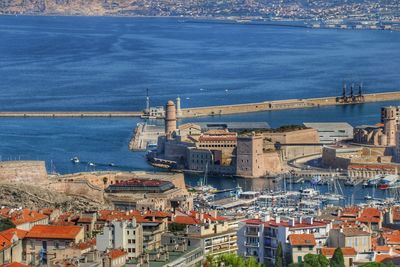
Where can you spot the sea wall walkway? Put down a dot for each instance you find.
(216, 110)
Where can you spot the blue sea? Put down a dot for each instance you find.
(107, 63)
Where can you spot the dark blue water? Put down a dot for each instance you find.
(106, 63)
(78, 63)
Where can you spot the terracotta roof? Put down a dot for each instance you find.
(354, 232)
(382, 257)
(371, 166)
(116, 253)
(302, 240)
(85, 245)
(328, 252)
(4, 243)
(14, 264)
(209, 138)
(13, 231)
(54, 232)
(186, 220)
(19, 217)
(382, 249)
(157, 214)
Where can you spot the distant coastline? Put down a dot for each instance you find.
(237, 20)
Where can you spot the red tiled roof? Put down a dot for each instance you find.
(328, 252)
(371, 166)
(354, 232)
(186, 220)
(142, 182)
(13, 231)
(54, 232)
(19, 217)
(116, 253)
(382, 249)
(14, 264)
(302, 240)
(157, 214)
(210, 138)
(87, 244)
(382, 257)
(4, 243)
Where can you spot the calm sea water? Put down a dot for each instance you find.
(106, 63)
(96, 63)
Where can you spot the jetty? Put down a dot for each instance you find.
(69, 114)
(216, 110)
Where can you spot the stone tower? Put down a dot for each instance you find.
(249, 159)
(389, 117)
(178, 107)
(170, 119)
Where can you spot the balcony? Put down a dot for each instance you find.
(252, 233)
(252, 244)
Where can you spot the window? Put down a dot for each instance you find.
(299, 248)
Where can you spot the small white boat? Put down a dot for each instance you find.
(75, 160)
(91, 164)
(111, 164)
(309, 192)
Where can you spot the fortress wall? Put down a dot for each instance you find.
(79, 188)
(23, 172)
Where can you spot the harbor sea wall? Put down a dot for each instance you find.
(23, 172)
(282, 104)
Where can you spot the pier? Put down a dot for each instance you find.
(284, 104)
(69, 114)
(213, 110)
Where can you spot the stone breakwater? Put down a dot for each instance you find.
(283, 104)
(216, 110)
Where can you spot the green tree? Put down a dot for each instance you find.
(230, 260)
(314, 260)
(337, 259)
(376, 264)
(6, 224)
(279, 261)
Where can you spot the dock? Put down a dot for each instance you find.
(70, 114)
(284, 105)
(144, 135)
(214, 110)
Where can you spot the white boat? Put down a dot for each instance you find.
(388, 181)
(316, 180)
(375, 180)
(75, 160)
(91, 164)
(309, 192)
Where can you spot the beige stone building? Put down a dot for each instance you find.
(301, 245)
(49, 239)
(350, 237)
(349, 255)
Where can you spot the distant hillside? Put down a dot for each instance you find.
(280, 9)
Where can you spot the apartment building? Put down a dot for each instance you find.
(259, 238)
(126, 235)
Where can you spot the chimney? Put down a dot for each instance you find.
(292, 222)
(278, 219)
(300, 219)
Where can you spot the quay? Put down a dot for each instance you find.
(214, 110)
(284, 104)
(69, 114)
